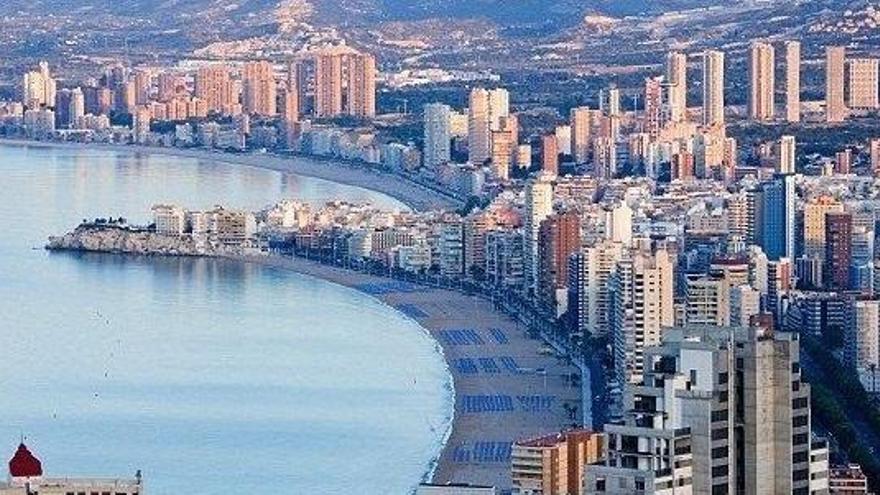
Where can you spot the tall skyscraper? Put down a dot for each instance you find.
(479, 127)
(213, 84)
(539, 205)
(785, 155)
(77, 106)
(559, 236)
(259, 89)
(814, 225)
(503, 146)
(778, 217)
(676, 75)
(499, 107)
(589, 291)
(838, 250)
(863, 83)
(328, 83)
(143, 86)
(874, 146)
(611, 102)
(361, 85)
(604, 158)
(713, 88)
(861, 345)
(642, 288)
(762, 81)
(581, 133)
(437, 135)
(654, 111)
(39, 87)
(793, 81)
(550, 155)
(733, 400)
(835, 62)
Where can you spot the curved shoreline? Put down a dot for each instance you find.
(411, 194)
(461, 452)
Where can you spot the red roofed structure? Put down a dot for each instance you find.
(24, 464)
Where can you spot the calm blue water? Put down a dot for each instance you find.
(211, 377)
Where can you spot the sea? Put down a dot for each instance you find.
(208, 376)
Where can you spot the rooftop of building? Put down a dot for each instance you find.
(553, 439)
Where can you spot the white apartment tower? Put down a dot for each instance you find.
(437, 135)
(539, 206)
(642, 305)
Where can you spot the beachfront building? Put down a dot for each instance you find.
(26, 478)
(733, 400)
(554, 464)
(169, 219)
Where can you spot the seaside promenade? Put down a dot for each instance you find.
(507, 386)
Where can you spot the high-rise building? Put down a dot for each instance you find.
(479, 127)
(733, 400)
(874, 146)
(863, 83)
(503, 146)
(707, 301)
(861, 337)
(143, 86)
(539, 206)
(62, 108)
(785, 155)
(589, 297)
(360, 85)
(713, 88)
(77, 106)
(499, 107)
(642, 305)
(838, 250)
(778, 217)
(610, 100)
(559, 236)
(39, 87)
(762, 81)
(328, 83)
(814, 225)
(168, 86)
(793, 81)
(654, 111)
(676, 74)
(550, 155)
(437, 135)
(619, 224)
(835, 63)
(213, 84)
(554, 463)
(259, 89)
(581, 133)
(604, 158)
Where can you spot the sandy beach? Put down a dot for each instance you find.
(413, 195)
(507, 386)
